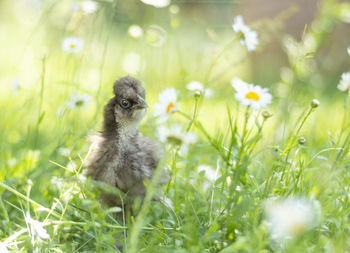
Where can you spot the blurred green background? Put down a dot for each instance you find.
(301, 55)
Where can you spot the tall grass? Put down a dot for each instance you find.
(221, 186)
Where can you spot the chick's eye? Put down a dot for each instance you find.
(125, 103)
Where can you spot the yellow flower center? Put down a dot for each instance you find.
(241, 36)
(79, 102)
(170, 107)
(297, 229)
(252, 96)
(174, 140)
(72, 46)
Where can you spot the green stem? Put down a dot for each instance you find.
(237, 171)
(287, 150)
(22, 196)
(42, 88)
(134, 237)
(194, 116)
(346, 114)
(176, 195)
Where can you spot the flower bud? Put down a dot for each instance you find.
(266, 114)
(30, 182)
(315, 103)
(197, 94)
(43, 53)
(302, 140)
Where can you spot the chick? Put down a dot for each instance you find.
(122, 157)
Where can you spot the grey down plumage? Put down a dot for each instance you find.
(121, 156)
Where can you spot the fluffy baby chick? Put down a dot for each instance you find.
(122, 157)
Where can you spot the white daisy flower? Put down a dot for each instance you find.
(210, 173)
(238, 84)
(348, 49)
(157, 3)
(78, 100)
(63, 151)
(131, 63)
(167, 104)
(36, 228)
(251, 95)
(72, 44)
(135, 31)
(3, 248)
(177, 136)
(197, 86)
(344, 83)
(291, 217)
(89, 6)
(247, 36)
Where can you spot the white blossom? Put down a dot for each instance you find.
(344, 83)
(36, 228)
(176, 135)
(72, 44)
(251, 95)
(167, 104)
(290, 217)
(198, 86)
(89, 6)
(78, 100)
(247, 37)
(210, 173)
(3, 248)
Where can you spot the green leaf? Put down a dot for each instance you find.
(41, 118)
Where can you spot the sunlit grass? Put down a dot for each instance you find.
(230, 186)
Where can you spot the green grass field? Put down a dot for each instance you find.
(267, 176)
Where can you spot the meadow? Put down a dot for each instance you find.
(256, 144)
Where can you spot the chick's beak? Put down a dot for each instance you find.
(141, 103)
